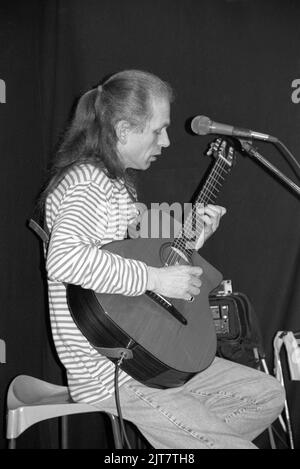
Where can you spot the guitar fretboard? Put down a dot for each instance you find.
(193, 226)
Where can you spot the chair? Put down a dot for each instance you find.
(31, 400)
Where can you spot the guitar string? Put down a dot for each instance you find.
(181, 241)
(206, 194)
(218, 170)
(209, 194)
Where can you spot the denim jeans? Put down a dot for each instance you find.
(224, 407)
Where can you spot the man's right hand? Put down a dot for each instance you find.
(178, 281)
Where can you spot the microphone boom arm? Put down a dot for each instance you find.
(246, 145)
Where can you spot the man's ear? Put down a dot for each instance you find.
(122, 130)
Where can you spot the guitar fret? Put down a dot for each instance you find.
(211, 191)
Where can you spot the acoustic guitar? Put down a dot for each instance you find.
(170, 339)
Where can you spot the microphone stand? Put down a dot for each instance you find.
(248, 147)
(250, 150)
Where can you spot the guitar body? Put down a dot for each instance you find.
(166, 353)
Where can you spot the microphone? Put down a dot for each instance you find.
(202, 125)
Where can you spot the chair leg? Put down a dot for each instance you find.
(64, 432)
(12, 443)
(116, 431)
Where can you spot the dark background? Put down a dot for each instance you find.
(233, 61)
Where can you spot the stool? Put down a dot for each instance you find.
(31, 400)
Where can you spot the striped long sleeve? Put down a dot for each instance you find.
(86, 211)
(74, 254)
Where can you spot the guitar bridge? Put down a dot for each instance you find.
(162, 301)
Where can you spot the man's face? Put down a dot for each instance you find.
(140, 148)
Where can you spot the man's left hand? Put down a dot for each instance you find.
(211, 216)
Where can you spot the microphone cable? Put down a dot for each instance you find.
(289, 153)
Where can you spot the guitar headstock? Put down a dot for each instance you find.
(220, 148)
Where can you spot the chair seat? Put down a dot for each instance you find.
(31, 400)
(27, 391)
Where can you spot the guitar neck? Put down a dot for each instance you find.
(214, 182)
(193, 226)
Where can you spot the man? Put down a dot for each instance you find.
(90, 201)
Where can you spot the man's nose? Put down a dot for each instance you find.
(164, 139)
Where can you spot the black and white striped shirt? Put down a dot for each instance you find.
(86, 211)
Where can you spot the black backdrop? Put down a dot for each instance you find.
(234, 61)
